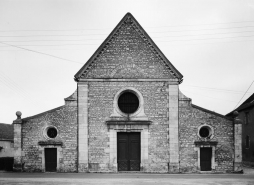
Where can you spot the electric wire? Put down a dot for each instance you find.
(244, 94)
(210, 97)
(214, 89)
(106, 33)
(101, 39)
(187, 25)
(14, 87)
(246, 36)
(42, 53)
(172, 44)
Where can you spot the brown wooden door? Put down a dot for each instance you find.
(205, 159)
(50, 159)
(128, 151)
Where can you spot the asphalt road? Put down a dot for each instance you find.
(124, 179)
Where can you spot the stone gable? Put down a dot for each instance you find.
(129, 53)
(128, 56)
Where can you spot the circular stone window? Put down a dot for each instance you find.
(205, 132)
(51, 132)
(128, 102)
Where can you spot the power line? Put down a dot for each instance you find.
(214, 89)
(209, 97)
(201, 24)
(54, 30)
(205, 38)
(156, 41)
(111, 28)
(244, 94)
(52, 35)
(106, 34)
(53, 45)
(14, 87)
(101, 39)
(204, 34)
(205, 29)
(185, 44)
(41, 53)
(48, 40)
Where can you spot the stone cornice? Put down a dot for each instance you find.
(173, 81)
(17, 121)
(50, 142)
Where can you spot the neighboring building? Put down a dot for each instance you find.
(127, 115)
(246, 114)
(6, 147)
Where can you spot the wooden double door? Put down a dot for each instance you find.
(128, 151)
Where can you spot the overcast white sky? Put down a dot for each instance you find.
(210, 42)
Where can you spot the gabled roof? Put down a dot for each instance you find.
(246, 104)
(6, 132)
(128, 18)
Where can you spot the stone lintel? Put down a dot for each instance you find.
(50, 142)
(120, 122)
(206, 143)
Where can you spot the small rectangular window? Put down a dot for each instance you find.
(247, 142)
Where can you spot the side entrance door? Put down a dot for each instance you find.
(205, 159)
(50, 159)
(128, 151)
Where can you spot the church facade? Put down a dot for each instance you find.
(127, 114)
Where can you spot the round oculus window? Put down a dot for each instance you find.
(52, 132)
(128, 102)
(204, 132)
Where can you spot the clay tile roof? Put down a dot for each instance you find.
(6, 131)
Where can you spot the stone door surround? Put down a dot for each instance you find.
(128, 126)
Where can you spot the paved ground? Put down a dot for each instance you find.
(124, 179)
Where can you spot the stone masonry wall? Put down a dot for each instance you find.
(65, 120)
(190, 118)
(128, 55)
(101, 95)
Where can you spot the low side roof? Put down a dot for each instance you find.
(6, 132)
(246, 104)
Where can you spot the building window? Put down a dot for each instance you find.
(50, 132)
(128, 102)
(247, 118)
(205, 132)
(247, 142)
